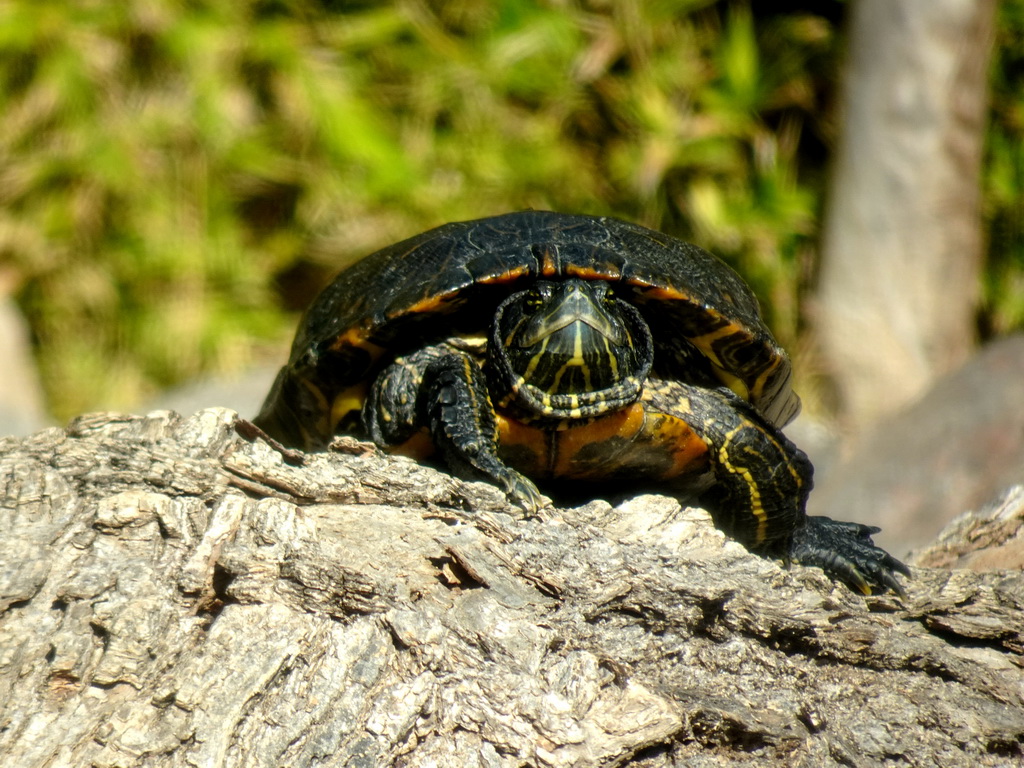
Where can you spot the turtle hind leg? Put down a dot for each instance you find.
(845, 551)
(455, 406)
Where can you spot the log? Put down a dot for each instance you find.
(174, 593)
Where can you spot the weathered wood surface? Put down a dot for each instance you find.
(172, 594)
(983, 540)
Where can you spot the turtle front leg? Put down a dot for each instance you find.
(458, 411)
(760, 492)
(445, 390)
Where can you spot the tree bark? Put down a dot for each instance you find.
(902, 243)
(175, 594)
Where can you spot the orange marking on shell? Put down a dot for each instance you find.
(624, 423)
(528, 443)
(660, 293)
(420, 446)
(428, 304)
(347, 401)
(447, 302)
(355, 337)
(512, 432)
(589, 273)
(687, 449)
(508, 275)
(547, 264)
(639, 433)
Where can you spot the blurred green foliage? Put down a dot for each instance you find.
(178, 177)
(1003, 308)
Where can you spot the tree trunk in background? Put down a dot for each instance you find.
(21, 403)
(902, 239)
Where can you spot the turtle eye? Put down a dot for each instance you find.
(537, 296)
(605, 294)
(533, 301)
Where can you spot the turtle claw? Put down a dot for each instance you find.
(845, 551)
(523, 493)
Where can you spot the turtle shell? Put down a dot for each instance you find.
(705, 321)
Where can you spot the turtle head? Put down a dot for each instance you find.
(568, 349)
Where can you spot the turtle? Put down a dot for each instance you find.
(569, 350)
